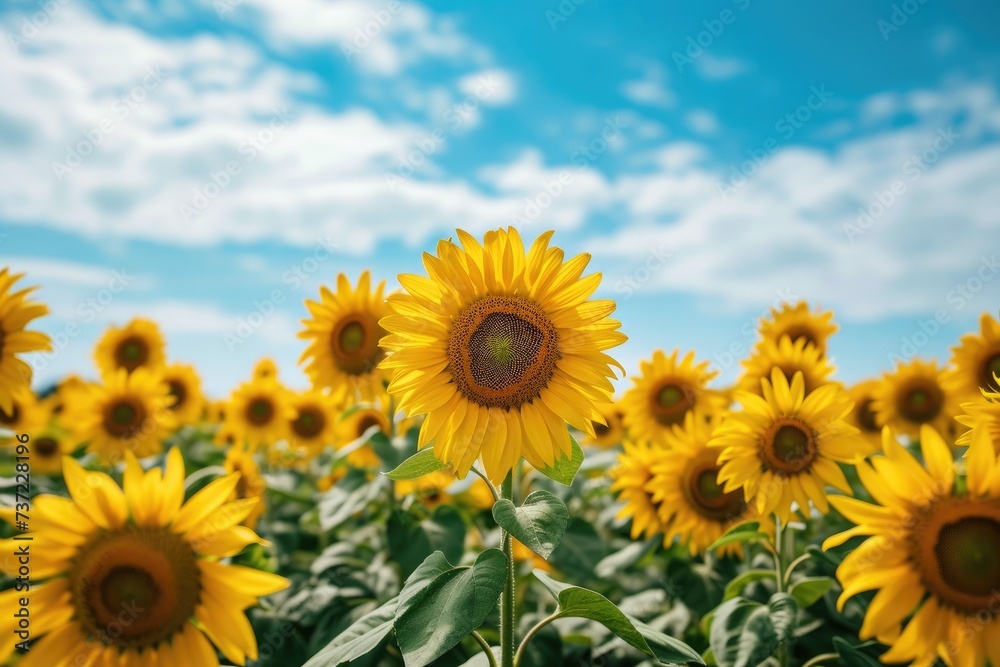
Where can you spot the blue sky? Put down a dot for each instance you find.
(190, 161)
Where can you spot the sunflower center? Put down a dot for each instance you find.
(671, 402)
(131, 353)
(11, 418)
(46, 446)
(968, 555)
(366, 422)
(354, 344)
(921, 401)
(260, 411)
(789, 446)
(134, 587)
(797, 333)
(123, 417)
(990, 371)
(309, 423)
(502, 351)
(706, 495)
(866, 416)
(179, 393)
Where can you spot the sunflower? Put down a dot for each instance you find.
(187, 401)
(431, 489)
(976, 361)
(931, 552)
(258, 413)
(214, 412)
(314, 424)
(133, 577)
(139, 344)
(343, 354)
(790, 357)
(797, 323)
(981, 415)
(46, 449)
(665, 391)
(250, 484)
(129, 412)
(57, 398)
(784, 447)
(265, 368)
(16, 311)
(26, 415)
(862, 416)
(353, 425)
(500, 349)
(630, 480)
(912, 395)
(612, 432)
(692, 505)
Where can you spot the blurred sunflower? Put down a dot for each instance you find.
(61, 395)
(975, 361)
(500, 349)
(265, 369)
(128, 412)
(258, 413)
(931, 553)
(314, 423)
(693, 506)
(612, 432)
(141, 550)
(16, 311)
(862, 415)
(665, 391)
(46, 451)
(139, 344)
(250, 483)
(912, 395)
(343, 353)
(981, 415)
(431, 490)
(26, 415)
(630, 481)
(214, 412)
(187, 401)
(784, 448)
(790, 357)
(798, 323)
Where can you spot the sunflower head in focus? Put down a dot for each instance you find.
(862, 416)
(693, 506)
(258, 413)
(314, 424)
(250, 483)
(27, 415)
(630, 481)
(343, 353)
(930, 552)
(665, 391)
(915, 394)
(612, 432)
(127, 412)
(796, 322)
(500, 349)
(975, 362)
(790, 358)
(186, 400)
(16, 312)
(138, 344)
(784, 448)
(107, 555)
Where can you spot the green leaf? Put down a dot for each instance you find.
(392, 451)
(576, 602)
(757, 641)
(851, 656)
(727, 626)
(449, 608)
(539, 523)
(747, 531)
(808, 591)
(420, 464)
(626, 557)
(784, 610)
(579, 551)
(564, 470)
(736, 586)
(425, 573)
(412, 540)
(362, 637)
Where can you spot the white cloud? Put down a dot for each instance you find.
(719, 67)
(651, 89)
(702, 121)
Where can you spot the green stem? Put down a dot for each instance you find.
(779, 580)
(531, 633)
(489, 484)
(507, 599)
(486, 648)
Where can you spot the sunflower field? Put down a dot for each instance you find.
(474, 479)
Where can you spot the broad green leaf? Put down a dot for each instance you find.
(539, 523)
(727, 626)
(808, 591)
(747, 531)
(576, 602)
(420, 464)
(449, 608)
(579, 551)
(736, 586)
(362, 637)
(626, 557)
(412, 540)
(564, 470)
(425, 573)
(757, 641)
(851, 656)
(784, 611)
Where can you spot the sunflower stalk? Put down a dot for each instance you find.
(507, 597)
